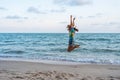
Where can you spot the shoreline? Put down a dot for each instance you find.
(16, 70)
(44, 61)
(55, 62)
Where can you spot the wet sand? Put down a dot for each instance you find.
(21, 70)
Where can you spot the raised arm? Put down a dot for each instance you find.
(74, 25)
(71, 20)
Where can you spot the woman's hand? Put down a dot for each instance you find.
(73, 18)
(76, 29)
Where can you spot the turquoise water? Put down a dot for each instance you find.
(98, 48)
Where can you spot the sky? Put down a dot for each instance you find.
(52, 16)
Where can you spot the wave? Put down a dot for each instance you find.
(117, 54)
(14, 52)
(105, 50)
(83, 60)
(95, 39)
(8, 41)
(10, 56)
(58, 49)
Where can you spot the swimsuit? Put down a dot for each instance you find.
(71, 37)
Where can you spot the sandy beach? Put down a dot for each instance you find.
(20, 70)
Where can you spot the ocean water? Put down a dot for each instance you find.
(95, 48)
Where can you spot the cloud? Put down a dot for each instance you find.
(107, 24)
(114, 23)
(97, 15)
(73, 2)
(35, 10)
(58, 10)
(38, 11)
(2, 8)
(63, 22)
(15, 17)
(91, 16)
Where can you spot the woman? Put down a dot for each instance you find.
(72, 29)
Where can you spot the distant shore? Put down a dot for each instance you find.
(21, 70)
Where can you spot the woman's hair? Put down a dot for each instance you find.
(68, 27)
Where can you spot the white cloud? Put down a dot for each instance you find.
(73, 2)
(58, 10)
(35, 10)
(15, 17)
(2, 8)
(107, 24)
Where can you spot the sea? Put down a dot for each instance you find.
(95, 48)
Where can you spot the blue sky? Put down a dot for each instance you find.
(52, 16)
